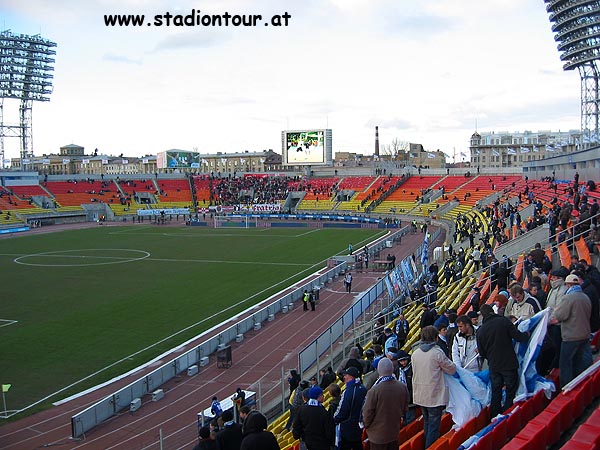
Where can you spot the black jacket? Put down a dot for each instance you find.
(314, 426)
(230, 437)
(495, 342)
(255, 435)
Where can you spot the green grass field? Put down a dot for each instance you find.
(83, 300)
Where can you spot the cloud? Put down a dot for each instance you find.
(121, 59)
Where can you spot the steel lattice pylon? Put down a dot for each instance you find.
(576, 24)
(26, 64)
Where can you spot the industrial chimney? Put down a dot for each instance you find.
(376, 141)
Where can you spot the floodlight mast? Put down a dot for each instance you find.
(26, 67)
(576, 24)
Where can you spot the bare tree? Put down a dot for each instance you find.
(397, 149)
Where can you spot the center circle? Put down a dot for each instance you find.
(90, 253)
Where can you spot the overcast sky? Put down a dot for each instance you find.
(425, 71)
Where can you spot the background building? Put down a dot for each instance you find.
(504, 149)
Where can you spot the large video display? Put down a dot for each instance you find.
(172, 159)
(306, 147)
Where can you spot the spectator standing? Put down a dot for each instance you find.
(495, 343)
(402, 329)
(518, 305)
(429, 388)
(348, 414)
(293, 380)
(313, 424)
(215, 408)
(353, 360)
(475, 299)
(295, 403)
(428, 316)
(464, 348)
(573, 315)
(327, 377)
(385, 405)
(256, 436)
(230, 437)
(348, 282)
(205, 442)
(558, 290)
(336, 393)
(391, 340)
(239, 398)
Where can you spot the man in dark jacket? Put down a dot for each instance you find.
(348, 414)
(327, 377)
(313, 424)
(385, 405)
(256, 436)
(230, 437)
(494, 342)
(428, 317)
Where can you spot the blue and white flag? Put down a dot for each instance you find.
(495, 152)
(424, 254)
(511, 151)
(536, 149)
(524, 149)
(549, 148)
(466, 395)
(430, 155)
(527, 353)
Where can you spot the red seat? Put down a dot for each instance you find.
(574, 445)
(588, 433)
(580, 400)
(499, 434)
(562, 405)
(441, 444)
(551, 421)
(486, 442)
(535, 433)
(513, 423)
(518, 443)
(539, 402)
(596, 383)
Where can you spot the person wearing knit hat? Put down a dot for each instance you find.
(384, 407)
(556, 294)
(315, 392)
(313, 423)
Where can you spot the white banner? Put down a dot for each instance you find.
(158, 212)
(26, 161)
(125, 161)
(105, 161)
(45, 161)
(85, 161)
(145, 160)
(66, 161)
(261, 208)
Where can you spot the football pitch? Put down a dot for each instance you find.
(80, 307)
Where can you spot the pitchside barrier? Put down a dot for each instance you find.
(123, 398)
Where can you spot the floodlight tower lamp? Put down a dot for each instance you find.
(576, 24)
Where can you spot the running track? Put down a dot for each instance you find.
(260, 356)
